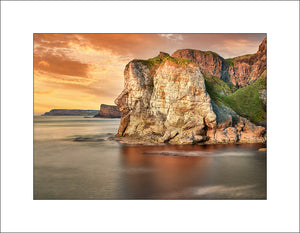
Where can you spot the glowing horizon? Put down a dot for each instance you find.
(83, 71)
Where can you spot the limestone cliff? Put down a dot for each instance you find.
(209, 62)
(244, 70)
(165, 100)
(108, 111)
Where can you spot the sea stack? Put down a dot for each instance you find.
(108, 111)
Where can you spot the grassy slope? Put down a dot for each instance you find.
(244, 101)
(217, 88)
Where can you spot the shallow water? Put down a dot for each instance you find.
(74, 160)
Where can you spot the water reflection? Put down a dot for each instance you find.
(169, 172)
(76, 161)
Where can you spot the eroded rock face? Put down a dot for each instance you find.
(245, 70)
(109, 111)
(169, 105)
(209, 62)
(165, 100)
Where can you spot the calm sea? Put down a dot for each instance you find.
(74, 160)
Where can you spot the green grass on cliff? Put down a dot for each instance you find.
(246, 102)
(217, 88)
(230, 61)
(154, 63)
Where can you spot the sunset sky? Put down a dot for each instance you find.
(82, 71)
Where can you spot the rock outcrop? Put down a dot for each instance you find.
(244, 70)
(108, 111)
(70, 112)
(236, 129)
(167, 104)
(232, 128)
(209, 62)
(165, 100)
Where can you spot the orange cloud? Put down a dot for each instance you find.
(60, 64)
(43, 63)
(43, 92)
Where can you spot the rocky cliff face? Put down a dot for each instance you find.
(240, 71)
(168, 104)
(244, 70)
(165, 100)
(108, 111)
(209, 62)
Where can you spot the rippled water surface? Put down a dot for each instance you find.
(73, 159)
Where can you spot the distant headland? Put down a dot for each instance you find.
(70, 112)
(106, 111)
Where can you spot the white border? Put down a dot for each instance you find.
(278, 19)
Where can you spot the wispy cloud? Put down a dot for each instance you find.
(172, 36)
